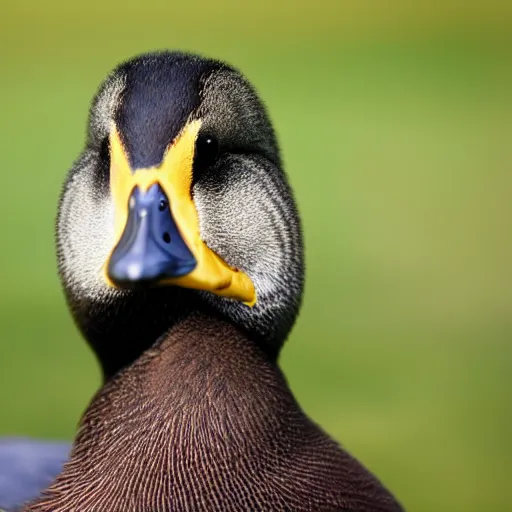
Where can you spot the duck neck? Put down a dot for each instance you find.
(204, 400)
(147, 316)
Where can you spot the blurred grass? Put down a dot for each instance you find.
(395, 121)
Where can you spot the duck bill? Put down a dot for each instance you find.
(157, 226)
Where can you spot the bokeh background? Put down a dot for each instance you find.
(395, 120)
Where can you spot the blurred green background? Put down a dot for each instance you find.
(395, 120)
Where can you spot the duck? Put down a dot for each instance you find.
(180, 252)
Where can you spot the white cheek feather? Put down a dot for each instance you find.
(249, 242)
(86, 221)
(89, 226)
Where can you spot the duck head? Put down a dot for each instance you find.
(178, 204)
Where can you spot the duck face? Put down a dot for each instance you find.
(179, 203)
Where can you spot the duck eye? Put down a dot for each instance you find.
(207, 149)
(103, 173)
(105, 150)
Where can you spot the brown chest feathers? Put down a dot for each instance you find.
(204, 422)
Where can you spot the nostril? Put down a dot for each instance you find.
(166, 237)
(163, 205)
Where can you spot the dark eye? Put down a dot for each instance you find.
(207, 150)
(103, 169)
(105, 151)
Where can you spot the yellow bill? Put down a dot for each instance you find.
(157, 226)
